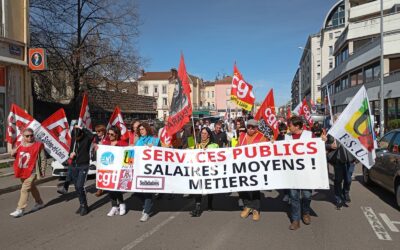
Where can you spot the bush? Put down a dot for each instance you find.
(393, 124)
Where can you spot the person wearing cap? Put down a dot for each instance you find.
(251, 200)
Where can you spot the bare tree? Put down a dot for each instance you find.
(85, 40)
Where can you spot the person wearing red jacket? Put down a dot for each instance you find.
(29, 165)
(116, 197)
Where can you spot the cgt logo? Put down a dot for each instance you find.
(107, 179)
(107, 158)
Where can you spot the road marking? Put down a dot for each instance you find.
(376, 225)
(154, 230)
(390, 223)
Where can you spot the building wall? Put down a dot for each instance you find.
(15, 86)
(163, 98)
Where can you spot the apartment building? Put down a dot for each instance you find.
(15, 84)
(357, 58)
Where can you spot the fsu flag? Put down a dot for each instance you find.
(181, 107)
(305, 112)
(57, 125)
(354, 129)
(266, 114)
(241, 91)
(84, 116)
(117, 120)
(17, 120)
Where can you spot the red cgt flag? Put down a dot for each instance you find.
(268, 114)
(241, 91)
(305, 112)
(57, 125)
(84, 116)
(181, 107)
(117, 120)
(17, 120)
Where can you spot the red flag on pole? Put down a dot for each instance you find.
(305, 112)
(84, 115)
(268, 114)
(57, 125)
(117, 120)
(241, 91)
(17, 120)
(181, 107)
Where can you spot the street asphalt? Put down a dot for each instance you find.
(370, 222)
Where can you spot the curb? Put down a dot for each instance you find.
(18, 186)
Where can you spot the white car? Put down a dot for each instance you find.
(62, 169)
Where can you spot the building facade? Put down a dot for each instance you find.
(357, 58)
(15, 84)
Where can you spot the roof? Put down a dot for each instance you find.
(225, 80)
(100, 100)
(155, 76)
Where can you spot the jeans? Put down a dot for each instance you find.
(79, 174)
(297, 204)
(343, 178)
(147, 200)
(116, 198)
(252, 199)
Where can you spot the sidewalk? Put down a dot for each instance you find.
(8, 183)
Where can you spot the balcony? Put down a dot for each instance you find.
(367, 9)
(371, 26)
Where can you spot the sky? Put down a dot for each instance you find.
(262, 36)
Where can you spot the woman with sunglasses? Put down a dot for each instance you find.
(117, 199)
(146, 138)
(206, 141)
(29, 165)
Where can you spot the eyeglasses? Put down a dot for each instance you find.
(111, 134)
(27, 136)
(142, 129)
(251, 127)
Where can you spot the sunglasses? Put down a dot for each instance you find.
(27, 136)
(111, 134)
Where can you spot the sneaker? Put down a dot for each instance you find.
(37, 207)
(62, 190)
(246, 212)
(295, 225)
(144, 218)
(339, 205)
(347, 198)
(122, 209)
(286, 198)
(256, 215)
(84, 210)
(113, 211)
(17, 213)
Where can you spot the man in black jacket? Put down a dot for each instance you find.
(80, 157)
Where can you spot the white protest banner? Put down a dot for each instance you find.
(51, 144)
(291, 164)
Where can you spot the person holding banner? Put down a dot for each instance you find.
(207, 140)
(252, 203)
(117, 200)
(133, 135)
(297, 204)
(146, 138)
(80, 157)
(99, 138)
(29, 165)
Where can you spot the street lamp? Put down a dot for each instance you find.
(311, 71)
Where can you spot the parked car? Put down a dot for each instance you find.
(62, 169)
(386, 171)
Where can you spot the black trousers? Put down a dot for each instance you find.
(251, 199)
(116, 198)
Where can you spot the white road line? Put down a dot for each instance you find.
(376, 225)
(152, 231)
(390, 223)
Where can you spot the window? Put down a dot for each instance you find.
(208, 95)
(164, 89)
(344, 83)
(377, 71)
(384, 142)
(318, 63)
(164, 101)
(360, 79)
(330, 50)
(318, 51)
(212, 94)
(337, 34)
(318, 76)
(146, 89)
(368, 75)
(155, 89)
(391, 109)
(330, 36)
(330, 64)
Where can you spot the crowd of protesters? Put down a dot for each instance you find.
(202, 134)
